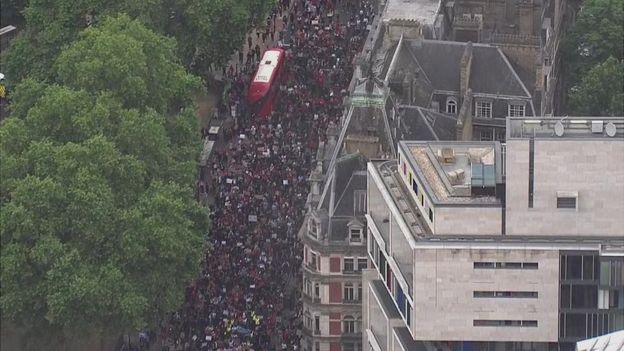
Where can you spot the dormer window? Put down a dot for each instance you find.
(355, 235)
(313, 228)
(356, 231)
(451, 106)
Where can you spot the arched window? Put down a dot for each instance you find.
(348, 325)
(451, 106)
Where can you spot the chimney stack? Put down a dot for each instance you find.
(464, 72)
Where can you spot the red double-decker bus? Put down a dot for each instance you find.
(264, 88)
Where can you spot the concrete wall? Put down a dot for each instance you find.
(468, 220)
(593, 168)
(378, 209)
(444, 306)
(378, 322)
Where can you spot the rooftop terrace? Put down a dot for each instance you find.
(423, 11)
(457, 172)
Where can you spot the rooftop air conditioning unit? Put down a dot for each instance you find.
(446, 155)
(456, 177)
(596, 127)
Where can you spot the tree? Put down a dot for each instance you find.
(134, 64)
(601, 91)
(596, 36)
(99, 228)
(208, 31)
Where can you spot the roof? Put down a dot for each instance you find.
(608, 342)
(267, 66)
(419, 123)
(450, 170)
(349, 176)
(423, 11)
(581, 127)
(438, 63)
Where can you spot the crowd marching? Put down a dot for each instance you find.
(259, 181)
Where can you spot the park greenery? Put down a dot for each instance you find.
(99, 228)
(594, 59)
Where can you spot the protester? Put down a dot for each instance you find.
(259, 181)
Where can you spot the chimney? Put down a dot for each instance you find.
(464, 70)
(464, 118)
(539, 75)
(408, 88)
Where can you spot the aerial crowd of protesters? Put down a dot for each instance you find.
(258, 178)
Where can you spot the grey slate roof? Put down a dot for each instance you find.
(419, 123)
(438, 62)
(349, 176)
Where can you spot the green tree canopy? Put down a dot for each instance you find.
(596, 36)
(98, 223)
(208, 31)
(601, 91)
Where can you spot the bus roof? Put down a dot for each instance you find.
(267, 66)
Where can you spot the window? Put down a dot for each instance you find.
(451, 106)
(603, 299)
(415, 187)
(349, 265)
(503, 323)
(307, 319)
(431, 215)
(486, 135)
(515, 110)
(584, 296)
(566, 202)
(349, 292)
(483, 109)
(362, 263)
(422, 199)
(359, 202)
(307, 287)
(355, 235)
(505, 294)
(505, 265)
(531, 170)
(348, 325)
(312, 264)
(359, 292)
(374, 251)
(317, 290)
(313, 228)
(317, 324)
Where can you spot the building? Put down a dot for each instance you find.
(475, 84)
(334, 240)
(489, 246)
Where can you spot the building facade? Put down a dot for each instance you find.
(483, 246)
(334, 239)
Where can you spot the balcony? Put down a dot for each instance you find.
(311, 266)
(310, 299)
(351, 301)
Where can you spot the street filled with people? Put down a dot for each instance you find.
(243, 299)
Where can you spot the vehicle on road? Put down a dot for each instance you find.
(264, 88)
